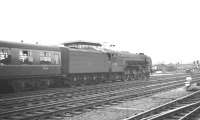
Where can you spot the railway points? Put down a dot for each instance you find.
(183, 108)
(133, 106)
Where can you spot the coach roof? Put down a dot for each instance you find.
(27, 46)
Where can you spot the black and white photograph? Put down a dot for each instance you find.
(99, 60)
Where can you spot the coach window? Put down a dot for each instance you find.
(25, 57)
(45, 58)
(56, 58)
(5, 57)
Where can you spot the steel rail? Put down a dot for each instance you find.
(163, 111)
(192, 115)
(58, 90)
(88, 103)
(16, 103)
(177, 113)
(29, 103)
(81, 98)
(72, 90)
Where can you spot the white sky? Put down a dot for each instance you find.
(166, 30)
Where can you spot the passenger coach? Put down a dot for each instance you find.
(21, 63)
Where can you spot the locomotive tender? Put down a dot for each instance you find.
(26, 67)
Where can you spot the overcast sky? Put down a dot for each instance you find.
(166, 30)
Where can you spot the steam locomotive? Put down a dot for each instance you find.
(25, 67)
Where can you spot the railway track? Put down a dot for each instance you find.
(65, 108)
(185, 108)
(81, 88)
(28, 101)
(193, 115)
(48, 92)
(181, 113)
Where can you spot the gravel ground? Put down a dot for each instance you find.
(130, 107)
